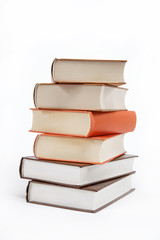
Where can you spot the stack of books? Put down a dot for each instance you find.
(79, 158)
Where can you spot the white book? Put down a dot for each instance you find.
(79, 97)
(75, 174)
(89, 199)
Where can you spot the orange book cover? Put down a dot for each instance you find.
(112, 122)
(103, 123)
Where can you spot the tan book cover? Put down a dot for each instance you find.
(88, 71)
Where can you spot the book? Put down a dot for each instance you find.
(79, 97)
(88, 71)
(88, 199)
(74, 174)
(82, 123)
(95, 150)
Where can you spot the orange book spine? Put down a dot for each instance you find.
(112, 122)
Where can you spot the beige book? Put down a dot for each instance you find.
(79, 97)
(88, 71)
(95, 150)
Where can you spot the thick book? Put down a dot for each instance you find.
(75, 174)
(79, 97)
(95, 150)
(88, 71)
(82, 123)
(88, 199)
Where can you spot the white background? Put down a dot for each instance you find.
(32, 34)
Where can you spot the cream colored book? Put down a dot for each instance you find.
(79, 97)
(95, 150)
(88, 71)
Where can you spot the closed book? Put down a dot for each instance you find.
(88, 71)
(88, 199)
(79, 97)
(75, 174)
(82, 123)
(95, 150)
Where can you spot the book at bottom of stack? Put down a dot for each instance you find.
(78, 186)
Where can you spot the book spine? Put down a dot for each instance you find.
(20, 167)
(34, 145)
(27, 191)
(35, 95)
(52, 71)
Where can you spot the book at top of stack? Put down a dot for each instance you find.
(82, 119)
(88, 71)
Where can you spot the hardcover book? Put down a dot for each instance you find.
(82, 123)
(88, 199)
(79, 97)
(88, 71)
(95, 150)
(75, 174)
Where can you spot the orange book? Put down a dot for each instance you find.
(82, 123)
(95, 150)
